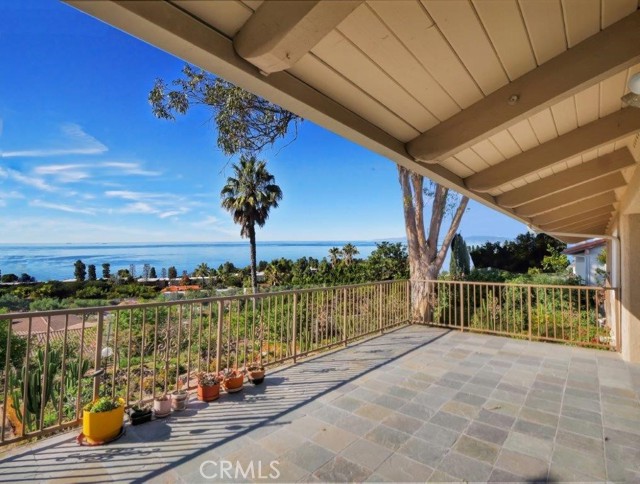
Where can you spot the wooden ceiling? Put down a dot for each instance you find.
(513, 102)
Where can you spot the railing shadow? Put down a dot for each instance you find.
(148, 451)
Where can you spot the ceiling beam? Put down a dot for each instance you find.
(580, 223)
(615, 48)
(556, 224)
(595, 229)
(574, 209)
(572, 195)
(280, 33)
(577, 175)
(593, 135)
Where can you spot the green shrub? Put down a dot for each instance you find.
(103, 404)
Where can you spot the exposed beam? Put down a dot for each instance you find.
(596, 229)
(593, 135)
(582, 173)
(615, 48)
(580, 223)
(574, 209)
(571, 240)
(572, 195)
(280, 33)
(556, 224)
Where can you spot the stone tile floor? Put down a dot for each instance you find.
(417, 404)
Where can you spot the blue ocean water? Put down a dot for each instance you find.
(55, 261)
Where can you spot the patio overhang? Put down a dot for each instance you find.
(505, 102)
(515, 104)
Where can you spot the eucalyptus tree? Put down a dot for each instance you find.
(249, 195)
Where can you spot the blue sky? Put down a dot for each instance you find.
(84, 160)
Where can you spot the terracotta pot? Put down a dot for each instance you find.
(162, 408)
(179, 401)
(256, 376)
(208, 393)
(234, 383)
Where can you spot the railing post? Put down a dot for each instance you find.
(529, 309)
(219, 337)
(97, 361)
(461, 307)
(294, 350)
(409, 319)
(380, 308)
(344, 316)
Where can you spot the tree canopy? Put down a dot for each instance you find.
(246, 123)
(526, 252)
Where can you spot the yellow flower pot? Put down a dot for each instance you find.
(103, 426)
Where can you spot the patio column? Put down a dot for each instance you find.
(630, 286)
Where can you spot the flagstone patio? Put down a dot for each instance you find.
(415, 404)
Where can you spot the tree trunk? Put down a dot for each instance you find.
(252, 244)
(425, 259)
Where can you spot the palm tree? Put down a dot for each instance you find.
(203, 270)
(348, 251)
(335, 254)
(248, 196)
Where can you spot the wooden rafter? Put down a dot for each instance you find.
(575, 209)
(593, 135)
(577, 175)
(596, 58)
(572, 195)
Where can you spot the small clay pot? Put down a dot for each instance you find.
(162, 406)
(234, 383)
(179, 400)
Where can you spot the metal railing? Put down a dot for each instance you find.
(155, 348)
(578, 315)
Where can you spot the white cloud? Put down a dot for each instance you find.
(139, 207)
(137, 196)
(61, 207)
(64, 173)
(173, 213)
(163, 205)
(77, 142)
(32, 181)
(207, 222)
(130, 168)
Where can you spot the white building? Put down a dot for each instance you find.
(585, 260)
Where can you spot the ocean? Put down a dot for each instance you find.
(55, 261)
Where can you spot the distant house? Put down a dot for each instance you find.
(585, 259)
(172, 293)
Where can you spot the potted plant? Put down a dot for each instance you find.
(255, 373)
(162, 406)
(179, 400)
(208, 386)
(102, 420)
(139, 414)
(232, 380)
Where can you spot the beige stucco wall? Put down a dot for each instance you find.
(630, 283)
